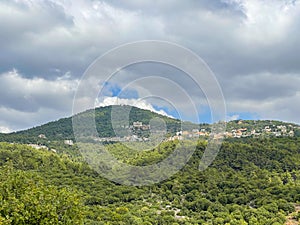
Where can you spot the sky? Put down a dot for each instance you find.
(251, 46)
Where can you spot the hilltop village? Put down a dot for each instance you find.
(267, 131)
(140, 132)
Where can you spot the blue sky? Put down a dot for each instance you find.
(204, 114)
(252, 47)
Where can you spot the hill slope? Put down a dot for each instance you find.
(250, 182)
(62, 128)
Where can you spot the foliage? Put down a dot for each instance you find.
(252, 181)
(25, 199)
(62, 129)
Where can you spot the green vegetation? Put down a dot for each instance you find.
(62, 129)
(252, 181)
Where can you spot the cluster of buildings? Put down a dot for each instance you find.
(44, 147)
(136, 133)
(131, 133)
(140, 126)
(195, 133)
(243, 132)
(67, 142)
(273, 130)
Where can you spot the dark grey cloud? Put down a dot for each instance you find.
(261, 87)
(21, 22)
(44, 36)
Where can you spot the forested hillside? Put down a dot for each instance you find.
(62, 129)
(252, 181)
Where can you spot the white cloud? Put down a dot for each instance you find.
(140, 103)
(4, 130)
(30, 94)
(267, 21)
(26, 102)
(233, 117)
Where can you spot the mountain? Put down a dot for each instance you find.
(62, 129)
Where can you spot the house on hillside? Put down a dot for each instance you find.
(137, 125)
(68, 142)
(43, 136)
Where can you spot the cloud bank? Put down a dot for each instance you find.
(251, 45)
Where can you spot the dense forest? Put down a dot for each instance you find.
(252, 181)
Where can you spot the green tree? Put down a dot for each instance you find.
(25, 199)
